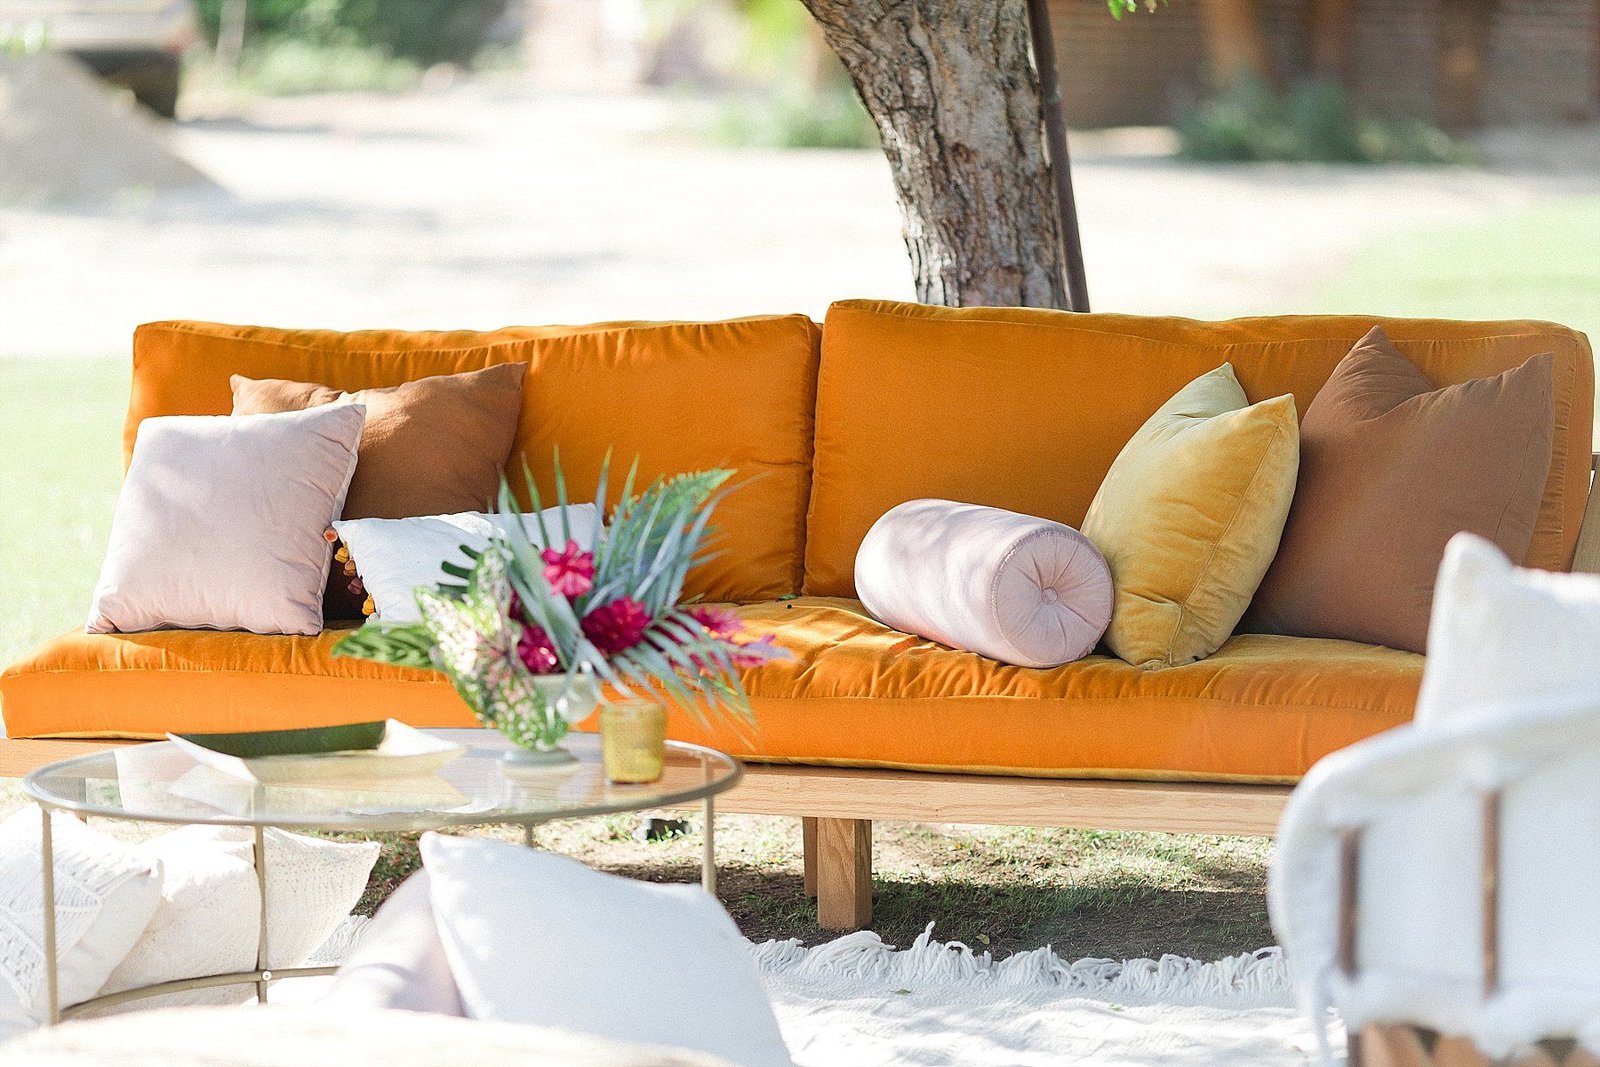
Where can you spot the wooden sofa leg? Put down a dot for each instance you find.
(844, 873)
(808, 854)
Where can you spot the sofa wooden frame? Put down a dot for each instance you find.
(838, 805)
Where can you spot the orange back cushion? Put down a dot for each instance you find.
(678, 396)
(1025, 409)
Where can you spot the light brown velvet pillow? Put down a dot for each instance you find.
(434, 446)
(1390, 469)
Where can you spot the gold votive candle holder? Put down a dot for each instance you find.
(633, 741)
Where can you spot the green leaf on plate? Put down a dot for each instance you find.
(316, 739)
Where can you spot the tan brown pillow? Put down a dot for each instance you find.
(434, 446)
(1390, 469)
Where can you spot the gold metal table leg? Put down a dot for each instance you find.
(47, 862)
(708, 845)
(264, 976)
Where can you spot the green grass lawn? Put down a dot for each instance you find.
(1538, 264)
(60, 463)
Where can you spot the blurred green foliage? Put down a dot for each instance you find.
(785, 87)
(786, 117)
(1312, 122)
(288, 66)
(421, 31)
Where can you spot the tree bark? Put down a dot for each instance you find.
(1465, 27)
(1332, 25)
(953, 91)
(1236, 42)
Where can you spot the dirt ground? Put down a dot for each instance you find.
(492, 201)
(1001, 889)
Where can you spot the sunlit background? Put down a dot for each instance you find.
(476, 163)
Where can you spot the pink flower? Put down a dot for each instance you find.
(570, 571)
(617, 626)
(537, 651)
(721, 622)
(756, 653)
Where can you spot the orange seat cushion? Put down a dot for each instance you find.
(1025, 409)
(858, 693)
(1262, 709)
(199, 681)
(678, 396)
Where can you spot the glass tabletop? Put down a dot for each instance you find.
(158, 782)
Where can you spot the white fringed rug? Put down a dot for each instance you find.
(856, 1002)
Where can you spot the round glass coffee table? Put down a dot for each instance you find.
(159, 783)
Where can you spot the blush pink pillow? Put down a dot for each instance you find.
(221, 520)
(1018, 589)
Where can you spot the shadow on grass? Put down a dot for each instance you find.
(1013, 910)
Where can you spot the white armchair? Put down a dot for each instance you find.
(1440, 883)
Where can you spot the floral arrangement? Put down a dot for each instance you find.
(534, 630)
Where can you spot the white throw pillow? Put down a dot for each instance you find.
(394, 556)
(1015, 588)
(106, 892)
(399, 962)
(208, 921)
(1502, 639)
(221, 521)
(541, 939)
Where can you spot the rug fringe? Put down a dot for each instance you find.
(1259, 977)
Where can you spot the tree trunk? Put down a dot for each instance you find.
(953, 91)
(1464, 30)
(1332, 25)
(1236, 42)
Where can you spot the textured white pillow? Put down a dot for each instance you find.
(1015, 588)
(541, 939)
(1502, 638)
(394, 556)
(208, 919)
(221, 519)
(106, 892)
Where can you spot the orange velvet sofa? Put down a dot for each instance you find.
(829, 427)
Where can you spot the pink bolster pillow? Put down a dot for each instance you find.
(1022, 590)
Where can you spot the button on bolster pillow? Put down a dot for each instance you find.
(1018, 589)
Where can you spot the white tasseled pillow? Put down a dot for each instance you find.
(1015, 588)
(395, 556)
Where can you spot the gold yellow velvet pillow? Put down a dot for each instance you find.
(1189, 518)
